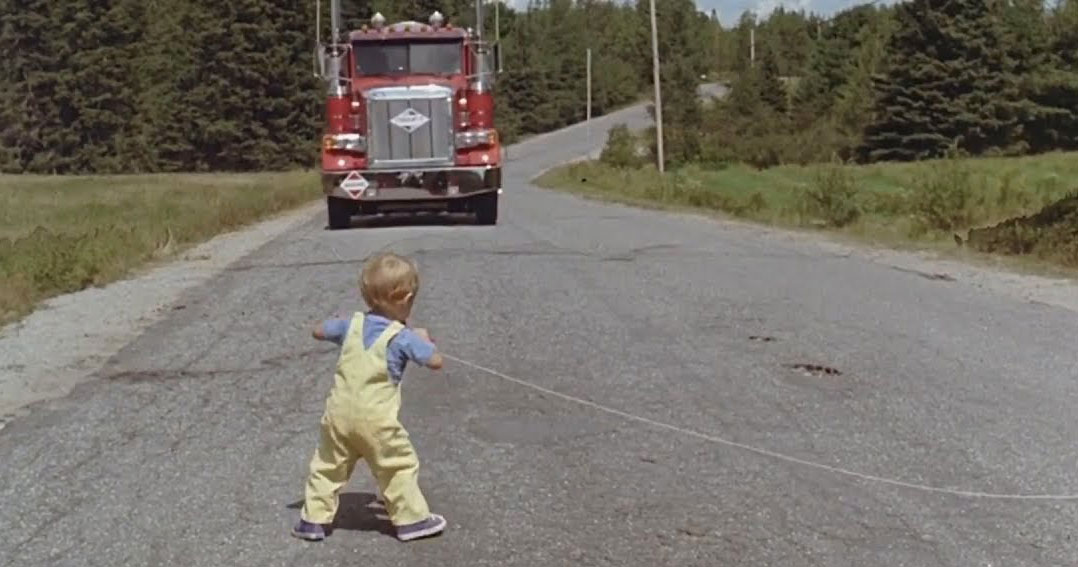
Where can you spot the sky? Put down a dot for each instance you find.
(730, 11)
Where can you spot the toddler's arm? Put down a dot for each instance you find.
(333, 330)
(416, 345)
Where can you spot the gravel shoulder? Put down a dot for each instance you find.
(196, 436)
(70, 337)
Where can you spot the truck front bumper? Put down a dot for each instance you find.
(432, 184)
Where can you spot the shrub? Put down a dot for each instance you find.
(941, 197)
(1050, 234)
(621, 149)
(833, 196)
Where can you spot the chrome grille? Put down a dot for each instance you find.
(410, 126)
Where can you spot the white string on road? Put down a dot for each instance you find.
(750, 448)
(759, 451)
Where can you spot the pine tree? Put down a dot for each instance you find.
(770, 89)
(1051, 113)
(831, 62)
(31, 112)
(854, 100)
(947, 82)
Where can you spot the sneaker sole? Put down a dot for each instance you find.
(431, 531)
(307, 537)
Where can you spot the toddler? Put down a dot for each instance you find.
(360, 417)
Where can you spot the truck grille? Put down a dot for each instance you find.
(410, 126)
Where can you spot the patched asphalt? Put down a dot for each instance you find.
(190, 447)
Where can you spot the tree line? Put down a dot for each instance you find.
(125, 86)
(916, 80)
(119, 86)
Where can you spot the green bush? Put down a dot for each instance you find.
(833, 196)
(941, 196)
(621, 149)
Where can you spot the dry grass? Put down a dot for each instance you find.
(912, 205)
(63, 234)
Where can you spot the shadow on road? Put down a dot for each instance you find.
(357, 512)
(410, 219)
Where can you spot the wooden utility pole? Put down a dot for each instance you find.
(658, 88)
(752, 45)
(588, 118)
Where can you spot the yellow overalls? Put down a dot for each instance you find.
(360, 421)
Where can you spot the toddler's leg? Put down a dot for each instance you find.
(393, 462)
(331, 466)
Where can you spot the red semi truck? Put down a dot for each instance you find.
(409, 120)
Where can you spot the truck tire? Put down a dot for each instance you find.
(486, 209)
(340, 212)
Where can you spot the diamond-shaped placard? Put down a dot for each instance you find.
(410, 120)
(354, 184)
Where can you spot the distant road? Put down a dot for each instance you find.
(191, 447)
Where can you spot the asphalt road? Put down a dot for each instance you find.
(191, 447)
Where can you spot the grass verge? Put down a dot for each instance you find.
(63, 234)
(926, 205)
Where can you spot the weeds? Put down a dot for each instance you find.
(910, 202)
(941, 196)
(1050, 234)
(64, 234)
(833, 196)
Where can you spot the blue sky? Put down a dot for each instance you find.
(730, 10)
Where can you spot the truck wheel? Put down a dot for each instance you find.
(340, 212)
(486, 209)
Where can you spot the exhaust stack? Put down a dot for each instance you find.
(480, 84)
(337, 52)
(335, 20)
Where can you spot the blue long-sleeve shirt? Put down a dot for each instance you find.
(407, 345)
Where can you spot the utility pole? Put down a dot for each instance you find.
(588, 119)
(752, 45)
(658, 88)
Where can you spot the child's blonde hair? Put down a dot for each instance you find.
(389, 283)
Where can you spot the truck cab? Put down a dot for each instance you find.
(410, 122)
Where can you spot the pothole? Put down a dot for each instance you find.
(938, 276)
(815, 370)
(762, 338)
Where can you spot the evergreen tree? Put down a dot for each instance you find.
(33, 66)
(769, 86)
(682, 41)
(947, 82)
(168, 108)
(789, 35)
(743, 33)
(1051, 85)
(830, 64)
(852, 110)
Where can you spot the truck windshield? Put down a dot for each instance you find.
(419, 57)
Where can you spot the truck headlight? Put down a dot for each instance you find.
(475, 138)
(346, 142)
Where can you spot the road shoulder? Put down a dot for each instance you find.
(69, 337)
